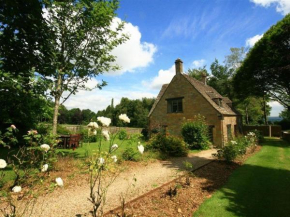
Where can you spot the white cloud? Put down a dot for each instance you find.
(198, 63)
(133, 53)
(276, 108)
(130, 55)
(163, 77)
(99, 99)
(252, 41)
(282, 6)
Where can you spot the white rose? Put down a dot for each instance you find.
(3, 164)
(16, 189)
(59, 181)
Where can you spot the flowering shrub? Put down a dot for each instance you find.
(104, 121)
(59, 181)
(3, 164)
(102, 161)
(237, 147)
(140, 148)
(8, 138)
(124, 118)
(30, 164)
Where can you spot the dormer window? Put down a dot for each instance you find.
(174, 105)
(218, 101)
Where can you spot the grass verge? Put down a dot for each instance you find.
(258, 188)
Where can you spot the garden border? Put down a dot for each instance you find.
(153, 190)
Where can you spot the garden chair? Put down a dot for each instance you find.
(74, 141)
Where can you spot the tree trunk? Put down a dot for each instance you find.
(247, 115)
(55, 115)
(264, 110)
(56, 104)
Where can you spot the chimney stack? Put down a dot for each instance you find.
(178, 66)
(203, 78)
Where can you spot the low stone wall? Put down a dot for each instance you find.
(266, 130)
(286, 136)
(129, 130)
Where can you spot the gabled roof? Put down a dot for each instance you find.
(163, 88)
(209, 93)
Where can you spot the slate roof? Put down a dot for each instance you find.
(209, 93)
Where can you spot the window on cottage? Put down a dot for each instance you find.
(210, 132)
(174, 105)
(229, 131)
(218, 101)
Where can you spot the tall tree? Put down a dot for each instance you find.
(137, 110)
(22, 102)
(197, 73)
(84, 34)
(235, 58)
(221, 79)
(66, 42)
(266, 69)
(23, 35)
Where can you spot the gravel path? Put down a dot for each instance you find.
(72, 201)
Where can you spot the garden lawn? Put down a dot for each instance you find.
(87, 149)
(260, 187)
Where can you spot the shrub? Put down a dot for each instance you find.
(259, 135)
(195, 133)
(122, 135)
(145, 134)
(236, 148)
(85, 137)
(230, 153)
(170, 145)
(44, 128)
(61, 130)
(130, 154)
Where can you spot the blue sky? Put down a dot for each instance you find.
(197, 31)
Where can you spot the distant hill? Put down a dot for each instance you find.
(273, 119)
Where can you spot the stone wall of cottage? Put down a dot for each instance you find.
(232, 121)
(193, 103)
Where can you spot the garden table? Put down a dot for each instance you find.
(64, 140)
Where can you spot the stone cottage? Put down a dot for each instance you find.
(184, 97)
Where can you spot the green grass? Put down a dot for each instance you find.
(87, 149)
(195, 151)
(261, 187)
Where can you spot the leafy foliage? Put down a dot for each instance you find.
(198, 73)
(237, 147)
(75, 116)
(285, 122)
(195, 133)
(168, 145)
(23, 35)
(137, 110)
(254, 109)
(23, 101)
(122, 134)
(130, 154)
(66, 42)
(266, 67)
